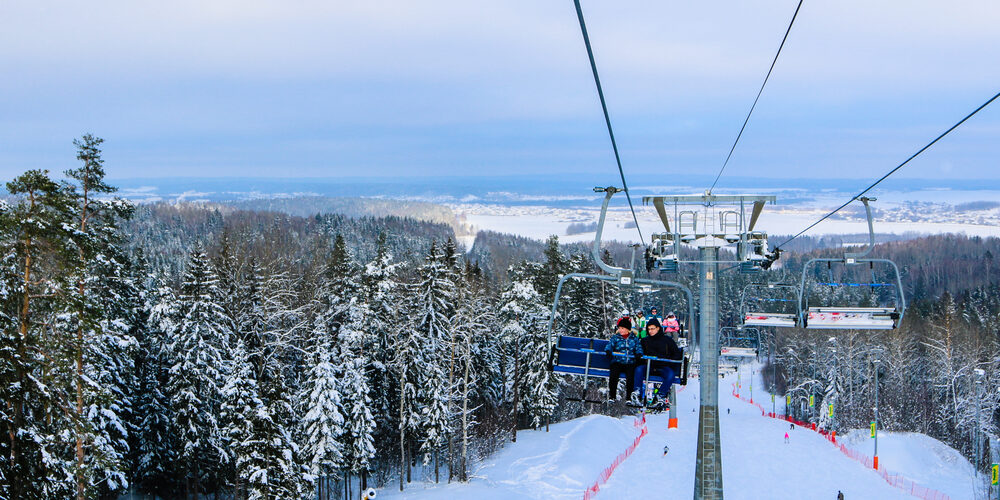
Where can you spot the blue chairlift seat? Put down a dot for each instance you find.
(582, 356)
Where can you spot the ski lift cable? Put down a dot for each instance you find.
(884, 177)
(607, 117)
(759, 92)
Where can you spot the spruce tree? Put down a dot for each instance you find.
(246, 429)
(360, 425)
(157, 446)
(383, 293)
(432, 303)
(197, 358)
(323, 423)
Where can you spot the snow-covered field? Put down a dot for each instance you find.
(539, 222)
(563, 463)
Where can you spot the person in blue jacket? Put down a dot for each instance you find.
(625, 352)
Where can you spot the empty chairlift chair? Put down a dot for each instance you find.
(770, 304)
(885, 300)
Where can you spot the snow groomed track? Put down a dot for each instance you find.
(566, 462)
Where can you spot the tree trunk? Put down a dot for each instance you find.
(402, 427)
(517, 399)
(81, 479)
(437, 476)
(463, 474)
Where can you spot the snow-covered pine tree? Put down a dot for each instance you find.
(197, 357)
(323, 423)
(554, 267)
(432, 302)
(338, 284)
(360, 424)
(583, 303)
(523, 317)
(382, 292)
(34, 234)
(409, 362)
(269, 327)
(247, 430)
(475, 356)
(157, 447)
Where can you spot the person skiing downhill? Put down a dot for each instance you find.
(624, 350)
(786, 438)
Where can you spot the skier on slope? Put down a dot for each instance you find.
(786, 437)
(840, 495)
(624, 351)
(659, 345)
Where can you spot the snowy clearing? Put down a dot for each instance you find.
(757, 463)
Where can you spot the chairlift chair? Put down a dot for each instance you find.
(854, 316)
(770, 304)
(586, 356)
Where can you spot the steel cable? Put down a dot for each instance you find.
(759, 92)
(876, 183)
(607, 117)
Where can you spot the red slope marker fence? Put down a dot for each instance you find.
(640, 423)
(894, 479)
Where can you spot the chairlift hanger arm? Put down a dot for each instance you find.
(596, 250)
(871, 231)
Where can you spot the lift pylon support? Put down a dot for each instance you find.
(710, 222)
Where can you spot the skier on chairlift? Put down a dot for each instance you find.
(659, 345)
(639, 324)
(654, 313)
(671, 325)
(624, 351)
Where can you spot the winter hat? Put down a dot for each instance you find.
(654, 322)
(625, 323)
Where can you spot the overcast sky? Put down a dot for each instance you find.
(464, 87)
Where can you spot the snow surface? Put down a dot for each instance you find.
(538, 222)
(756, 463)
(918, 457)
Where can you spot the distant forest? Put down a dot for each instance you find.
(188, 349)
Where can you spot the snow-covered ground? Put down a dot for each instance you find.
(539, 222)
(563, 463)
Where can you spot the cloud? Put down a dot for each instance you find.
(191, 87)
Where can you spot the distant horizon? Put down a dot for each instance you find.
(394, 89)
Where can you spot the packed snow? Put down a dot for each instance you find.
(563, 463)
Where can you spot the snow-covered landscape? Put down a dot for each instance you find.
(566, 461)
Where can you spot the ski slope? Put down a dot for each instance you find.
(756, 463)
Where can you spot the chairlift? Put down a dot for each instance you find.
(770, 304)
(855, 316)
(739, 342)
(586, 356)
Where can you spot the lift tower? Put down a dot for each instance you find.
(709, 223)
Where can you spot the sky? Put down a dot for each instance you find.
(465, 88)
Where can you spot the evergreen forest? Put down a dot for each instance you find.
(178, 350)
